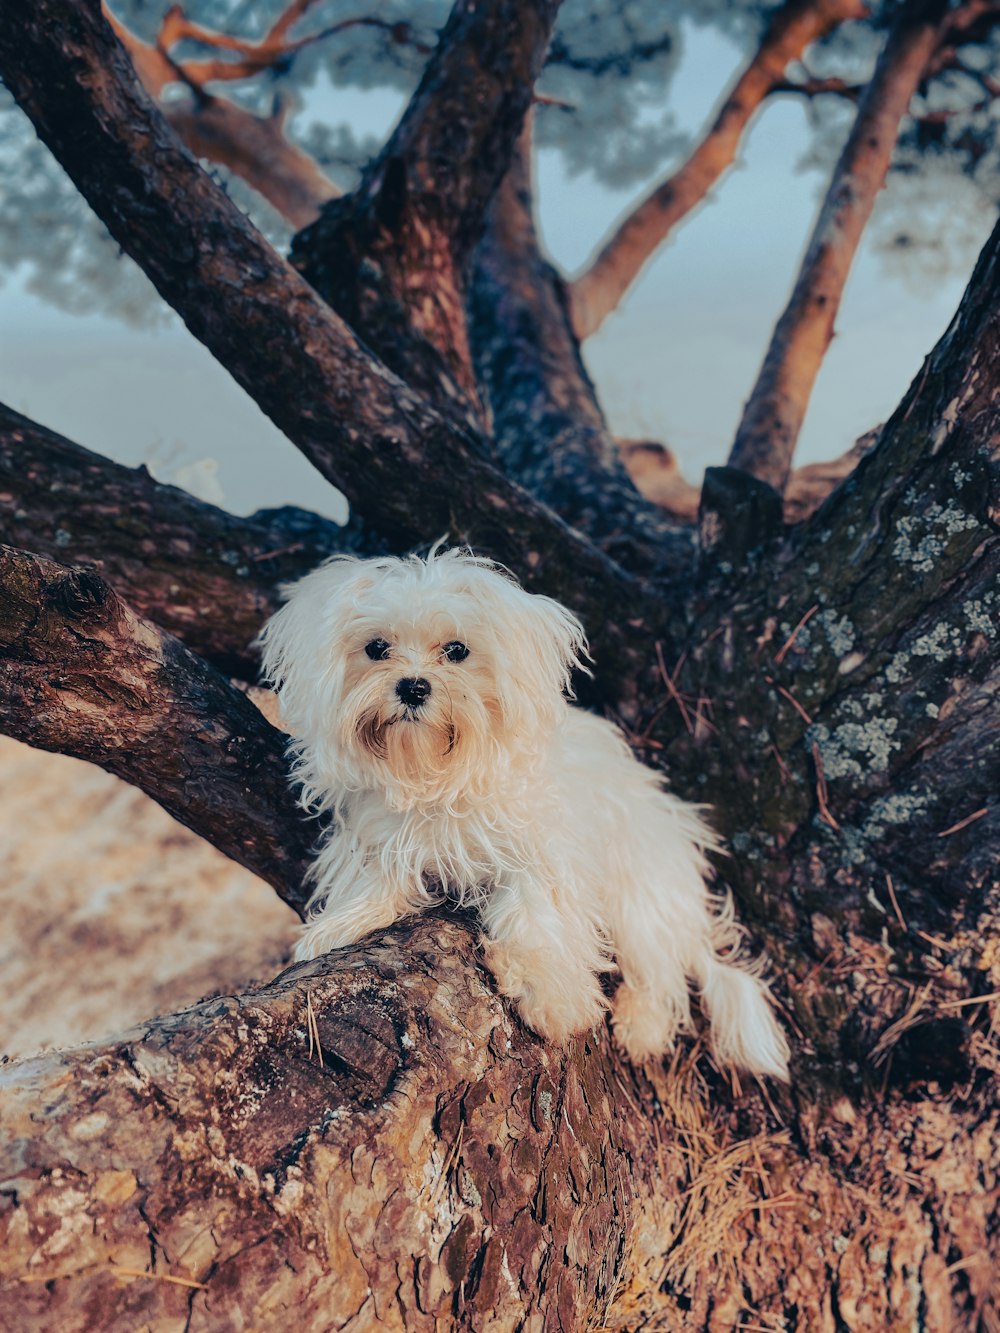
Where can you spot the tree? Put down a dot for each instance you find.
(373, 1139)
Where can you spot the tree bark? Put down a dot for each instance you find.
(423, 1162)
(81, 674)
(427, 1163)
(600, 288)
(200, 573)
(548, 427)
(392, 258)
(774, 413)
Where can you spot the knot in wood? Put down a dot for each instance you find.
(78, 592)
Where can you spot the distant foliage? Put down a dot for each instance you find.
(605, 106)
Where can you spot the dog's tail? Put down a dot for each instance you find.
(745, 1031)
(736, 1001)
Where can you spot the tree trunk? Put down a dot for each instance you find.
(373, 1140)
(774, 413)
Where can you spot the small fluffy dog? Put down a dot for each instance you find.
(427, 702)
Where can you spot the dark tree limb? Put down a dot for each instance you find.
(773, 416)
(81, 674)
(406, 470)
(198, 572)
(842, 711)
(392, 257)
(548, 427)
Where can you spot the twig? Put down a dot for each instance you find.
(963, 823)
(672, 689)
(795, 704)
(313, 1029)
(973, 999)
(782, 652)
(895, 904)
(821, 792)
(158, 1277)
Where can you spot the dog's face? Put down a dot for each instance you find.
(419, 678)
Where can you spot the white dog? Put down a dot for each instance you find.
(427, 702)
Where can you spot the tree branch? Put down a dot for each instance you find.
(548, 427)
(392, 257)
(81, 674)
(600, 288)
(250, 1138)
(406, 471)
(200, 573)
(254, 147)
(772, 419)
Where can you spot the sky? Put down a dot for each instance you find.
(675, 363)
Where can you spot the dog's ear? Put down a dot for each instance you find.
(295, 643)
(553, 640)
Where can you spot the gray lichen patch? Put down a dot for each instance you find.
(855, 749)
(921, 539)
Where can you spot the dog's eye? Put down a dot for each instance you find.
(378, 650)
(455, 651)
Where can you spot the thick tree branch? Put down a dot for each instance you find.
(238, 1150)
(840, 714)
(406, 471)
(200, 573)
(81, 674)
(548, 427)
(774, 413)
(600, 288)
(392, 257)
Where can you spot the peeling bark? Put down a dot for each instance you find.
(774, 413)
(81, 674)
(600, 288)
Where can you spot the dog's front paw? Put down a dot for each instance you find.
(554, 1005)
(643, 1026)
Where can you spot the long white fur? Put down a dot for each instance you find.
(499, 791)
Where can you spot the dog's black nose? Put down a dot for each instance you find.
(413, 691)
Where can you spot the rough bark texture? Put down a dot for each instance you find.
(547, 425)
(200, 573)
(392, 257)
(600, 288)
(774, 413)
(80, 673)
(392, 455)
(429, 1165)
(832, 693)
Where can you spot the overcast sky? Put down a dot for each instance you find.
(675, 363)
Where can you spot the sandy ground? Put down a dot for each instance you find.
(110, 912)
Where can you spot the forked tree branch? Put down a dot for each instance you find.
(600, 288)
(81, 674)
(774, 413)
(198, 572)
(406, 471)
(392, 257)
